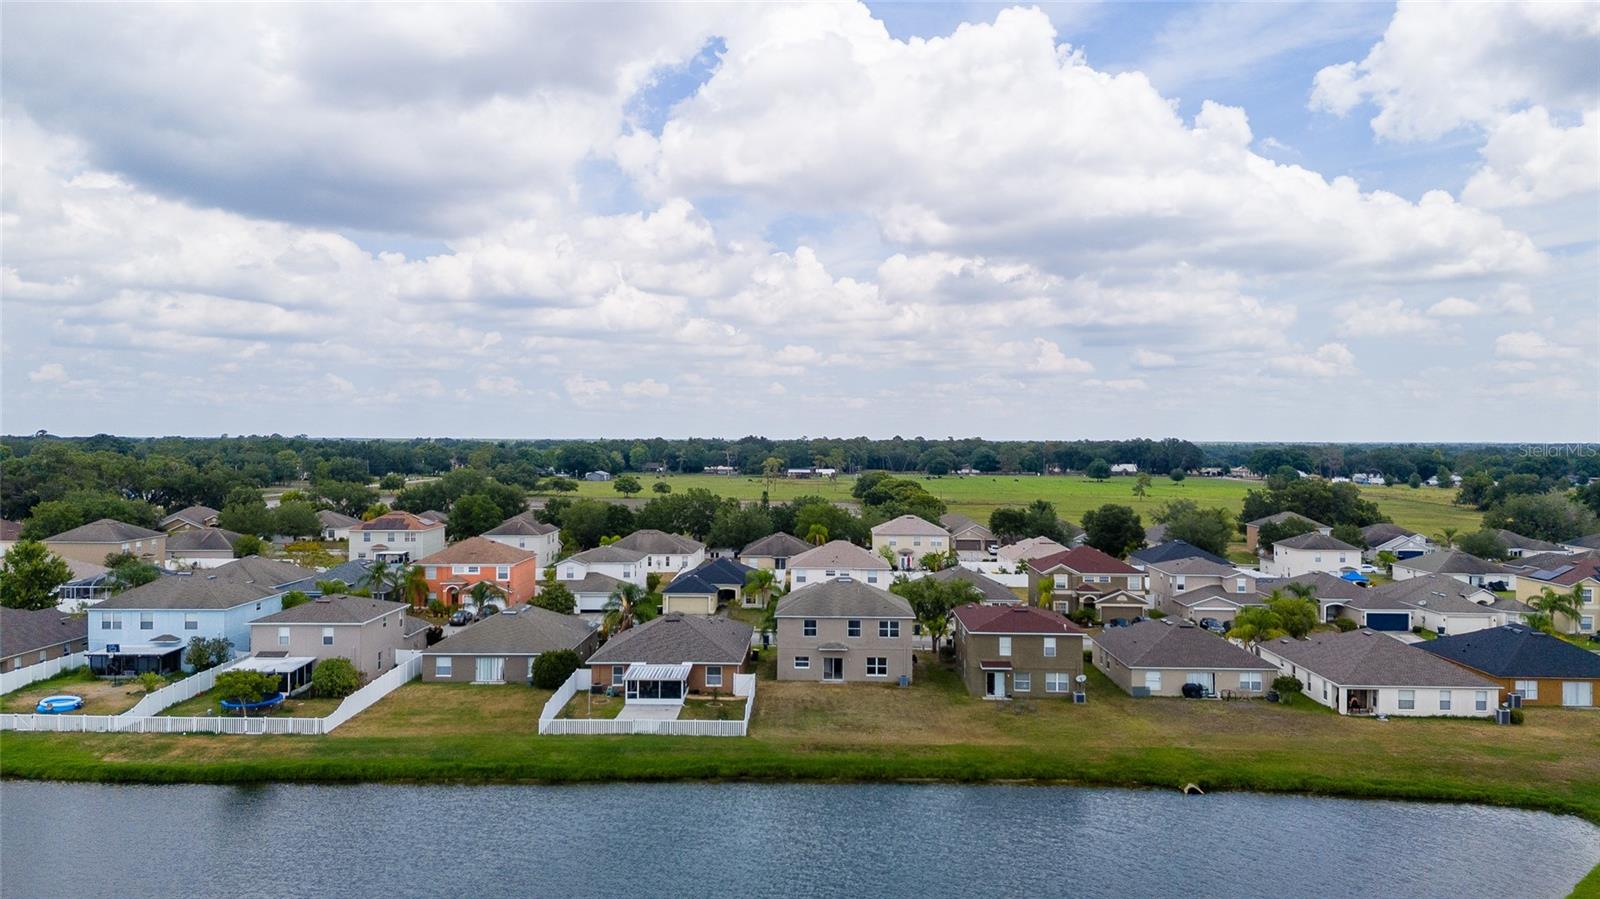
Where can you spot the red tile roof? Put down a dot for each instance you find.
(979, 619)
(1084, 560)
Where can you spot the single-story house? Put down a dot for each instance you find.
(1518, 546)
(1542, 669)
(992, 591)
(205, 547)
(501, 649)
(666, 658)
(972, 541)
(1435, 602)
(1252, 529)
(1210, 602)
(1464, 567)
(1157, 658)
(708, 586)
(28, 637)
(1330, 593)
(844, 631)
(1011, 652)
(366, 631)
(336, 525)
(1392, 538)
(1364, 672)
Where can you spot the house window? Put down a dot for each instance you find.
(877, 666)
(327, 636)
(570, 575)
(829, 572)
(889, 629)
(1480, 700)
(283, 636)
(1061, 582)
(616, 675)
(853, 629)
(1056, 682)
(1529, 689)
(1250, 681)
(411, 538)
(191, 622)
(1005, 647)
(916, 541)
(801, 663)
(472, 569)
(1445, 702)
(491, 670)
(780, 564)
(1586, 623)
(147, 621)
(1239, 585)
(503, 572)
(1049, 647)
(1022, 683)
(1578, 693)
(713, 675)
(872, 578)
(809, 627)
(432, 573)
(1152, 681)
(1408, 699)
(799, 578)
(1177, 584)
(366, 537)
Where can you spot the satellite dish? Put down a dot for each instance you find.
(1082, 678)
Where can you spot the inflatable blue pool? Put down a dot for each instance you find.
(55, 705)
(266, 703)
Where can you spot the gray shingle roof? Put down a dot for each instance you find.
(911, 526)
(1450, 562)
(992, 590)
(965, 528)
(657, 543)
(1591, 541)
(1281, 517)
(1166, 644)
(336, 609)
(1363, 658)
(106, 530)
(1377, 534)
(593, 582)
(1437, 592)
(843, 598)
(199, 516)
(602, 554)
(24, 630)
(838, 554)
(524, 525)
(674, 639)
(525, 630)
(1325, 586)
(1516, 652)
(708, 577)
(1314, 540)
(202, 540)
(1172, 550)
(1189, 598)
(332, 519)
(223, 587)
(777, 546)
(1199, 566)
(1514, 540)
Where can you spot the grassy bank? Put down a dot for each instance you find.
(932, 731)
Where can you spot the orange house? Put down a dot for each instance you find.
(453, 571)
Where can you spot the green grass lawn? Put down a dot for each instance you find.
(293, 707)
(100, 697)
(1425, 509)
(712, 710)
(590, 706)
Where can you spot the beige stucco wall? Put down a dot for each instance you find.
(792, 642)
(149, 549)
(1027, 657)
(371, 647)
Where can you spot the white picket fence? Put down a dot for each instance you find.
(18, 678)
(172, 694)
(366, 697)
(744, 686)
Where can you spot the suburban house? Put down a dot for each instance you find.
(336, 526)
(666, 658)
(909, 538)
(1158, 658)
(1468, 569)
(836, 559)
(1086, 578)
(90, 583)
(1589, 543)
(972, 541)
(663, 551)
(193, 517)
(1363, 672)
(1330, 593)
(773, 553)
(1017, 652)
(396, 537)
(844, 631)
(97, 539)
(28, 637)
(10, 533)
(1310, 552)
(594, 574)
(707, 587)
(1518, 546)
(1581, 574)
(1024, 551)
(1542, 669)
(1392, 538)
(366, 631)
(501, 649)
(1171, 577)
(148, 628)
(205, 547)
(1171, 551)
(1252, 529)
(452, 572)
(1434, 602)
(1209, 603)
(529, 533)
(992, 591)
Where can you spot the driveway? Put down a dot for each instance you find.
(636, 712)
(1404, 636)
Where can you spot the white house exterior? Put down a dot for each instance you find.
(396, 537)
(1466, 568)
(836, 559)
(910, 538)
(664, 552)
(529, 533)
(1436, 602)
(1364, 672)
(611, 561)
(1308, 553)
(336, 526)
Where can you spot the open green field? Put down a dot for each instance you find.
(292, 707)
(932, 731)
(1425, 509)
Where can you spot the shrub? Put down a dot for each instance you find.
(335, 678)
(551, 669)
(1517, 717)
(1344, 625)
(295, 598)
(245, 686)
(1286, 685)
(150, 681)
(437, 608)
(208, 652)
(1157, 615)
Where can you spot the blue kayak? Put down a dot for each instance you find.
(55, 705)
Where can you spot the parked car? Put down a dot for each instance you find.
(1117, 622)
(1212, 624)
(461, 618)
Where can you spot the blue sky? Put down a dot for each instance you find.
(1215, 221)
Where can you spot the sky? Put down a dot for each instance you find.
(1212, 221)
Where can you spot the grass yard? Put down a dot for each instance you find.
(447, 710)
(1425, 509)
(712, 710)
(100, 697)
(293, 707)
(593, 707)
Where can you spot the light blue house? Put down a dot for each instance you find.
(149, 627)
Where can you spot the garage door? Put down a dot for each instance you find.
(1389, 621)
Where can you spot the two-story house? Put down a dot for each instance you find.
(662, 551)
(972, 541)
(910, 538)
(1170, 577)
(836, 559)
(1009, 652)
(1581, 574)
(335, 525)
(844, 631)
(200, 547)
(107, 537)
(452, 573)
(1310, 552)
(594, 574)
(1086, 578)
(527, 532)
(366, 631)
(1252, 529)
(194, 517)
(773, 553)
(396, 537)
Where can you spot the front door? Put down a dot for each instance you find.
(996, 684)
(832, 668)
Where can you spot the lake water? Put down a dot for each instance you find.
(736, 840)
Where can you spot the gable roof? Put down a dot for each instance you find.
(838, 554)
(593, 582)
(961, 525)
(978, 619)
(777, 546)
(1452, 561)
(202, 540)
(1364, 658)
(352, 572)
(1436, 592)
(237, 582)
(398, 521)
(1173, 550)
(1324, 585)
(1213, 593)
(1031, 548)
(335, 609)
(909, 525)
(992, 590)
(524, 630)
(1083, 560)
(843, 598)
(524, 525)
(708, 577)
(1381, 533)
(1314, 540)
(1197, 566)
(1168, 644)
(1514, 540)
(1569, 573)
(199, 516)
(105, 530)
(1281, 517)
(1591, 541)
(477, 551)
(332, 519)
(1516, 651)
(659, 543)
(674, 639)
(603, 554)
(24, 630)
(1535, 562)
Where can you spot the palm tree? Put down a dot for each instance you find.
(380, 578)
(816, 535)
(759, 582)
(1446, 537)
(483, 592)
(888, 556)
(1307, 592)
(1554, 605)
(629, 604)
(1254, 624)
(413, 584)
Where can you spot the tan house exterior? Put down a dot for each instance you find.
(1017, 652)
(910, 538)
(1157, 658)
(29, 637)
(1252, 530)
(501, 649)
(192, 518)
(844, 631)
(1078, 578)
(773, 553)
(94, 541)
(1582, 574)
(713, 649)
(366, 631)
(1541, 669)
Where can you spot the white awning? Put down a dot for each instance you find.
(274, 664)
(639, 671)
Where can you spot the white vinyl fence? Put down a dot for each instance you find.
(367, 696)
(744, 686)
(172, 694)
(18, 678)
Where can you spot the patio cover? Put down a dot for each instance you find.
(639, 671)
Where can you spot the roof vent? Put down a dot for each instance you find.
(211, 577)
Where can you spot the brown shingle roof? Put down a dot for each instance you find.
(838, 554)
(843, 598)
(1164, 644)
(525, 630)
(777, 546)
(477, 551)
(397, 521)
(674, 639)
(1084, 560)
(1364, 658)
(910, 525)
(1012, 620)
(336, 609)
(25, 630)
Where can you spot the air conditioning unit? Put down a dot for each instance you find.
(1141, 692)
(1080, 697)
(1513, 700)
(1502, 716)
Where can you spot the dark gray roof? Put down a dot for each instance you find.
(1281, 517)
(332, 519)
(593, 582)
(1534, 562)
(659, 543)
(1199, 566)
(1364, 658)
(708, 577)
(336, 609)
(1514, 540)
(1515, 651)
(524, 630)
(610, 553)
(223, 587)
(198, 516)
(106, 530)
(992, 590)
(24, 630)
(1169, 644)
(1172, 550)
(777, 546)
(524, 525)
(843, 598)
(202, 540)
(1325, 586)
(352, 572)
(964, 527)
(414, 625)
(1450, 562)
(1592, 541)
(1314, 540)
(674, 639)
